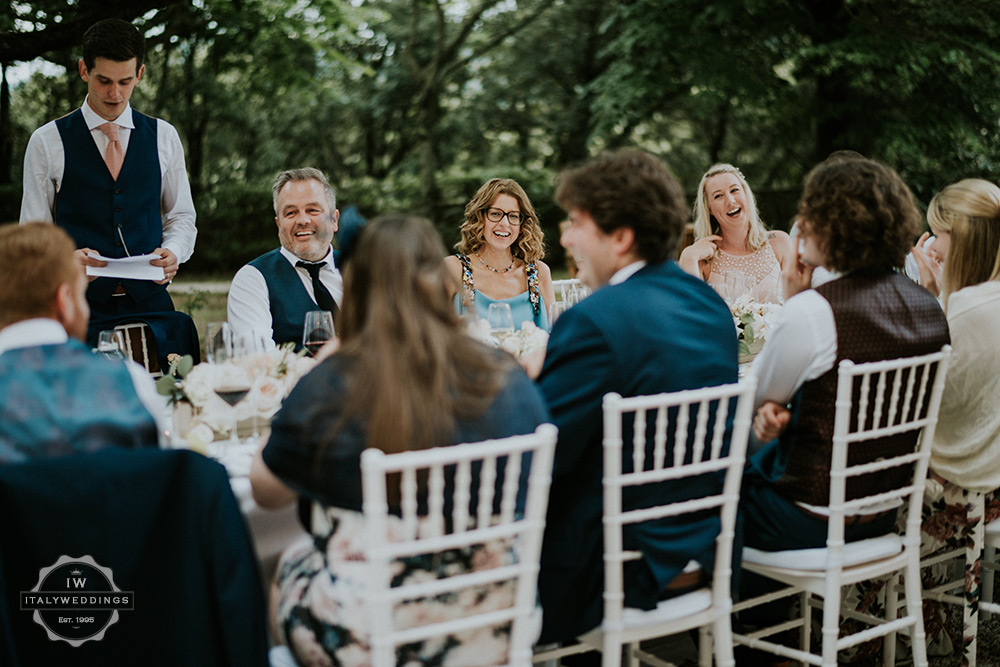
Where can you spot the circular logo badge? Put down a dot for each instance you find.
(76, 600)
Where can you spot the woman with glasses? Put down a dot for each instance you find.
(499, 256)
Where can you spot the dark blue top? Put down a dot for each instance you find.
(334, 478)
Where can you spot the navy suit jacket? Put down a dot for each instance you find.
(661, 330)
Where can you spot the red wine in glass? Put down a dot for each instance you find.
(232, 395)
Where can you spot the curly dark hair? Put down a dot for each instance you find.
(862, 212)
(629, 188)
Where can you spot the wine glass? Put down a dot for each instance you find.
(722, 289)
(558, 308)
(318, 330)
(218, 342)
(111, 344)
(738, 284)
(250, 346)
(232, 384)
(501, 319)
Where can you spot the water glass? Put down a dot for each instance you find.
(218, 342)
(558, 308)
(317, 330)
(111, 344)
(500, 318)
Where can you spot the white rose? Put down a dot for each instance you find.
(199, 437)
(270, 394)
(533, 337)
(197, 385)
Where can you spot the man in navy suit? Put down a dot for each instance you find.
(648, 328)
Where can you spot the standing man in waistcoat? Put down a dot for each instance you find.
(56, 396)
(115, 180)
(270, 296)
(857, 219)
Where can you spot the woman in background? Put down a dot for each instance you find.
(500, 253)
(965, 455)
(730, 237)
(404, 378)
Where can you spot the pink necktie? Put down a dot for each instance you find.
(113, 156)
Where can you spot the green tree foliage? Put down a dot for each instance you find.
(412, 104)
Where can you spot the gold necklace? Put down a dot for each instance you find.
(483, 262)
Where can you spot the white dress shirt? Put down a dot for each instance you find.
(249, 305)
(44, 331)
(44, 166)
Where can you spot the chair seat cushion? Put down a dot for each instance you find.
(855, 553)
(667, 610)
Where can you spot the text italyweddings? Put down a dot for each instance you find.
(58, 600)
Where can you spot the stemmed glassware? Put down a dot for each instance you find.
(231, 383)
(501, 319)
(247, 347)
(318, 330)
(111, 344)
(218, 342)
(558, 308)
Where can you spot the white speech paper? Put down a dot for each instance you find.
(136, 268)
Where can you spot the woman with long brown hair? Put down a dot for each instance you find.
(405, 377)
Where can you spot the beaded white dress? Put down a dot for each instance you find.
(761, 267)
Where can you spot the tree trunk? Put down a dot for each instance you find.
(6, 130)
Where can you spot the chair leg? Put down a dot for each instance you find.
(805, 632)
(722, 638)
(915, 608)
(891, 613)
(831, 628)
(973, 556)
(986, 589)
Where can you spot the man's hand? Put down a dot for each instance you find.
(85, 260)
(771, 421)
(168, 260)
(796, 276)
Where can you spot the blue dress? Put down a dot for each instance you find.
(525, 307)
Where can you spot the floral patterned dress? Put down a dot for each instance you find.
(949, 521)
(321, 606)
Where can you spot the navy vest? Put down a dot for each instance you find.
(62, 399)
(287, 295)
(93, 207)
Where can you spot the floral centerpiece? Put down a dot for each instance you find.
(200, 416)
(529, 338)
(753, 320)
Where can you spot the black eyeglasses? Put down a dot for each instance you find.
(496, 215)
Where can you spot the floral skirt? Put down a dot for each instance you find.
(321, 611)
(948, 522)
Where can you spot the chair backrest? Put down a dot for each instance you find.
(675, 436)
(140, 346)
(165, 525)
(569, 289)
(878, 401)
(488, 480)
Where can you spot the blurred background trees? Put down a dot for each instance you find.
(411, 104)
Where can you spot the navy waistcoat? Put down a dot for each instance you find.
(93, 207)
(287, 295)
